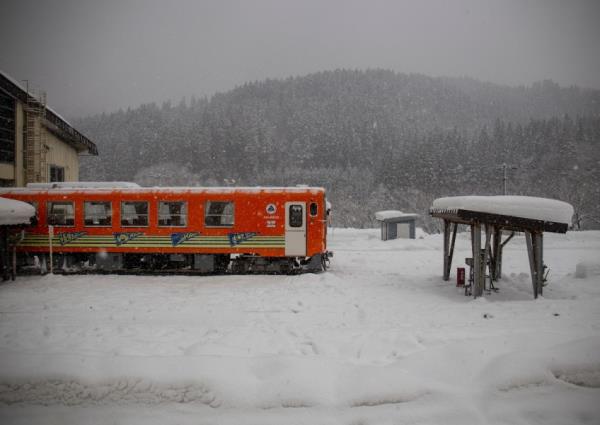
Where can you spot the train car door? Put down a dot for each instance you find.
(295, 229)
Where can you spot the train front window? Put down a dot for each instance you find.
(172, 214)
(134, 213)
(296, 216)
(218, 214)
(61, 214)
(97, 213)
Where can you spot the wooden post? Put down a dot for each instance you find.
(446, 249)
(452, 247)
(449, 247)
(477, 266)
(13, 274)
(536, 262)
(501, 250)
(486, 251)
(529, 242)
(50, 237)
(496, 254)
(4, 253)
(538, 240)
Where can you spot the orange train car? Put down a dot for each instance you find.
(120, 226)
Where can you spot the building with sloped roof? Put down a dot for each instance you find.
(37, 145)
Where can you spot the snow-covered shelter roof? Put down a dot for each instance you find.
(394, 215)
(511, 211)
(14, 212)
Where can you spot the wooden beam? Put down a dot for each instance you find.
(513, 223)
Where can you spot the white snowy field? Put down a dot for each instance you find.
(379, 338)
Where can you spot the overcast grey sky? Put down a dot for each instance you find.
(94, 56)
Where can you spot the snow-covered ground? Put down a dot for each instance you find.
(378, 339)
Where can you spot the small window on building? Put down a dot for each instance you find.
(172, 214)
(134, 213)
(97, 213)
(218, 214)
(61, 214)
(296, 216)
(57, 174)
(314, 209)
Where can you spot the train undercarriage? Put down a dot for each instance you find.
(166, 264)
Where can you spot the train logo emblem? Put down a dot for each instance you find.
(271, 209)
(123, 238)
(66, 237)
(179, 238)
(238, 238)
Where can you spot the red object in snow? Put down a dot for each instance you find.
(460, 276)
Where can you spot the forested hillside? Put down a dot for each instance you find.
(375, 139)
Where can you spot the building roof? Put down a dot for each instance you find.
(54, 122)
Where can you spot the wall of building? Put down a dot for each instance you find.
(7, 171)
(62, 155)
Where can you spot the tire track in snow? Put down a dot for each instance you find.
(121, 391)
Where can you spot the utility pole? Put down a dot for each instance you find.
(504, 167)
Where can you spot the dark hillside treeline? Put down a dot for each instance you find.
(375, 139)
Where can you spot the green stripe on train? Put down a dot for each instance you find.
(102, 241)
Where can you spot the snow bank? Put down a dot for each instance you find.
(15, 212)
(379, 338)
(518, 206)
(586, 269)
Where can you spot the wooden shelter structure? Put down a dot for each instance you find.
(488, 256)
(14, 216)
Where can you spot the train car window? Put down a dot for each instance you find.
(172, 214)
(313, 209)
(295, 216)
(97, 213)
(219, 214)
(61, 214)
(134, 213)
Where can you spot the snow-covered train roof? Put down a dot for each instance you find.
(82, 185)
(542, 209)
(14, 212)
(103, 187)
